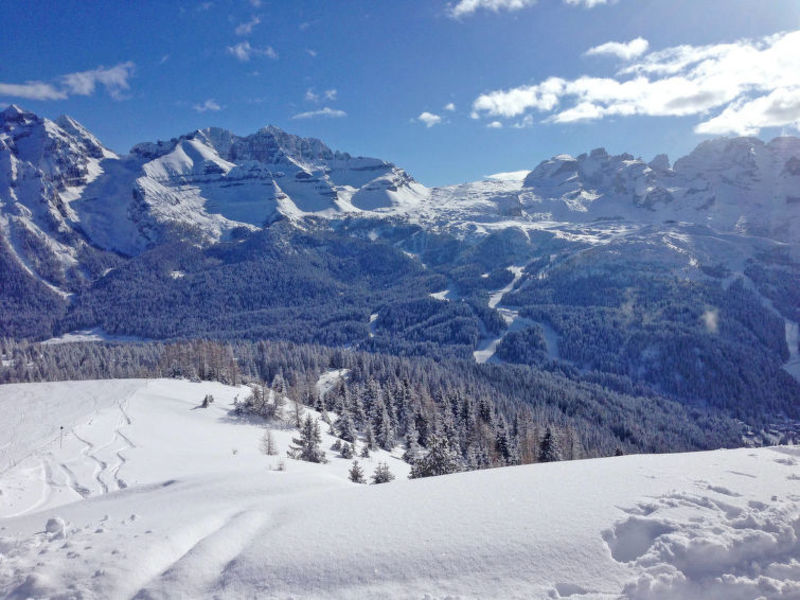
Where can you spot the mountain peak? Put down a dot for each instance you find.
(16, 114)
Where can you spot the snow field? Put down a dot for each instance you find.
(203, 513)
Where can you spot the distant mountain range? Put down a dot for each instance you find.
(681, 277)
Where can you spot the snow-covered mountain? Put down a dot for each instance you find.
(61, 189)
(59, 180)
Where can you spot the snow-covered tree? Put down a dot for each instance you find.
(382, 474)
(268, 444)
(549, 450)
(307, 445)
(356, 473)
(347, 450)
(369, 438)
(440, 459)
(345, 426)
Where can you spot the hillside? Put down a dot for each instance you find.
(149, 496)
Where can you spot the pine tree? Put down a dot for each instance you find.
(549, 450)
(440, 460)
(307, 445)
(412, 444)
(345, 426)
(347, 450)
(382, 474)
(369, 438)
(365, 452)
(356, 473)
(297, 414)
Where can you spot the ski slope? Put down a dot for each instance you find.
(148, 496)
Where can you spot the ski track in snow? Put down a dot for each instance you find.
(487, 347)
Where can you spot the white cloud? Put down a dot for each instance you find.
(623, 50)
(465, 8)
(243, 51)
(589, 3)
(311, 53)
(747, 117)
(209, 104)
(429, 119)
(323, 112)
(312, 96)
(164, 59)
(450, 106)
(247, 28)
(494, 125)
(113, 79)
(255, 3)
(32, 90)
(83, 83)
(749, 84)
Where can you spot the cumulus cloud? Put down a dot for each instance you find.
(243, 51)
(113, 79)
(450, 106)
(83, 83)
(465, 8)
(330, 94)
(429, 119)
(494, 125)
(247, 28)
(209, 104)
(323, 112)
(623, 50)
(737, 88)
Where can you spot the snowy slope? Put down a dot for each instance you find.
(194, 510)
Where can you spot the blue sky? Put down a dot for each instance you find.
(451, 91)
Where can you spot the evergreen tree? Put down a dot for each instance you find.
(347, 450)
(345, 427)
(356, 473)
(412, 444)
(369, 438)
(549, 450)
(382, 474)
(440, 460)
(307, 445)
(365, 452)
